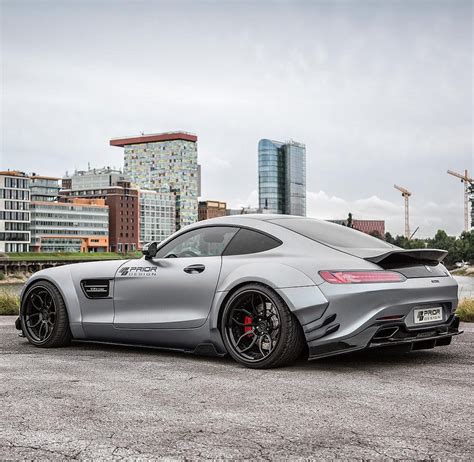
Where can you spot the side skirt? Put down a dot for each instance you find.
(201, 341)
(203, 349)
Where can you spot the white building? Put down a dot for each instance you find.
(157, 215)
(94, 178)
(14, 212)
(79, 225)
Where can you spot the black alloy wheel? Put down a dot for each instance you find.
(258, 329)
(44, 317)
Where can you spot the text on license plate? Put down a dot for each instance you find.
(428, 315)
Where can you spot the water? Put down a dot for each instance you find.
(466, 286)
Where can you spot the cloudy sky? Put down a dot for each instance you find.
(381, 92)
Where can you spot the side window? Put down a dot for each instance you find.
(201, 242)
(247, 241)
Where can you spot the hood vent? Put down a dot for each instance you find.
(96, 288)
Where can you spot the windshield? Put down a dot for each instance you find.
(332, 234)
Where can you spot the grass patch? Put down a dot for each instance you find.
(9, 302)
(466, 310)
(463, 272)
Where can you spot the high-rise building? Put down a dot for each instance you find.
(119, 196)
(282, 177)
(77, 225)
(199, 179)
(211, 209)
(471, 199)
(14, 212)
(44, 188)
(166, 162)
(157, 215)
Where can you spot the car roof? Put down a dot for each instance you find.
(260, 221)
(254, 216)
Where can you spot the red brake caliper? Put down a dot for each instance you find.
(247, 328)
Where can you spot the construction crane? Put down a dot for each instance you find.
(405, 194)
(467, 184)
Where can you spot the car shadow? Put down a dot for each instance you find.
(383, 358)
(366, 359)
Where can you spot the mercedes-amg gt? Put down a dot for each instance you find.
(262, 288)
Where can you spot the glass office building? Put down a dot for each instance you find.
(282, 177)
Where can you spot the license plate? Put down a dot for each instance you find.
(432, 314)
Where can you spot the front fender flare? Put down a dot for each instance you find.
(62, 279)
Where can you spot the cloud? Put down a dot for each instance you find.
(429, 218)
(250, 201)
(374, 106)
(217, 164)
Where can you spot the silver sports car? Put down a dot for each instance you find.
(261, 288)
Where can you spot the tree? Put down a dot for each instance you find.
(376, 234)
(389, 238)
(459, 249)
(349, 221)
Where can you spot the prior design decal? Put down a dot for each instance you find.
(138, 271)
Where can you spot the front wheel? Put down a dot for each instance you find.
(258, 329)
(43, 316)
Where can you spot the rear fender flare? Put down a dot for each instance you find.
(300, 293)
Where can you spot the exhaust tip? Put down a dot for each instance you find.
(385, 333)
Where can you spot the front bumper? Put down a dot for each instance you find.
(390, 335)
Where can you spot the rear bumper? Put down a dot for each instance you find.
(390, 335)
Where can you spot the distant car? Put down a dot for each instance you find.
(261, 288)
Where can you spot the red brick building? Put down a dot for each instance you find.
(124, 210)
(370, 226)
(211, 209)
(366, 226)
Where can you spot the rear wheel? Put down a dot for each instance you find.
(258, 329)
(44, 317)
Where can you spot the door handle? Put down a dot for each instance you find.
(194, 269)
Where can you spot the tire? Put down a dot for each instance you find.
(240, 329)
(43, 315)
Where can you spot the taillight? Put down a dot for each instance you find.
(360, 277)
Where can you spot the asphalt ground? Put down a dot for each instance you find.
(91, 401)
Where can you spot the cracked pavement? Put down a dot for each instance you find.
(91, 401)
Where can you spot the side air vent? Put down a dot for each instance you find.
(96, 288)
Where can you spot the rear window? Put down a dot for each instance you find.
(331, 234)
(247, 241)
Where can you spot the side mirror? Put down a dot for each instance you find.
(150, 250)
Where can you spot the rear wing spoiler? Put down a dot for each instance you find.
(416, 256)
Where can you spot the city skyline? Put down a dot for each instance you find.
(373, 106)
